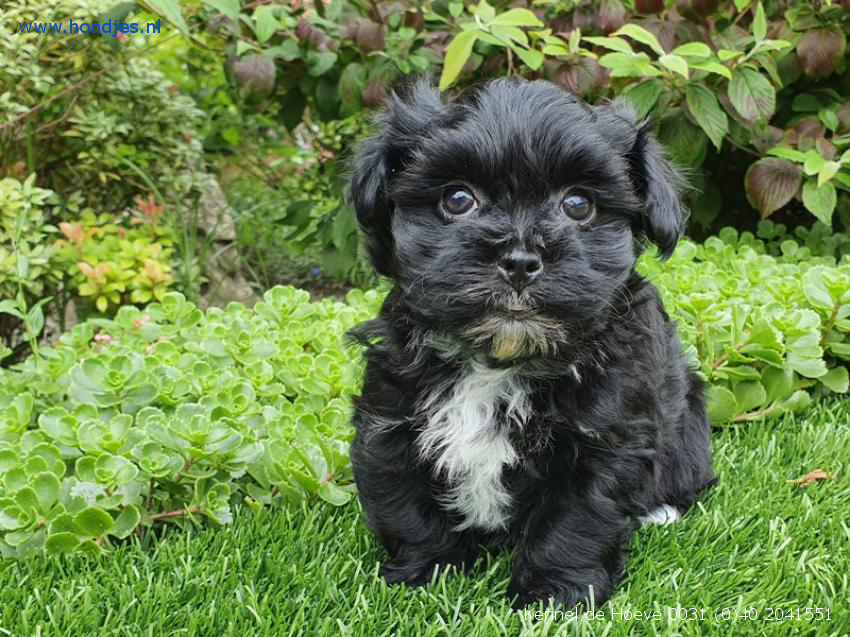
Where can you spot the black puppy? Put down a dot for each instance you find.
(524, 386)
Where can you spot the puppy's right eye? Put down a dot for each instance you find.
(458, 201)
(577, 207)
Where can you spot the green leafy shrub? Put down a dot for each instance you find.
(28, 265)
(102, 261)
(170, 414)
(110, 263)
(102, 128)
(741, 92)
(24, 232)
(230, 123)
(295, 218)
(336, 57)
(101, 117)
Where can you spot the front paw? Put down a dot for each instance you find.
(565, 594)
(396, 571)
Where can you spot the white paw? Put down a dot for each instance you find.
(665, 514)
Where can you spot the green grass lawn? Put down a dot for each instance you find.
(754, 540)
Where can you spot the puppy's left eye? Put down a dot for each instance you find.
(577, 207)
(458, 201)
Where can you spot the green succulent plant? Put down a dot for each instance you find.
(171, 414)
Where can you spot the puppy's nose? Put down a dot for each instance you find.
(520, 268)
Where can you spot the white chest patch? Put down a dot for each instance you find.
(466, 436)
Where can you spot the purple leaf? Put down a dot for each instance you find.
(255, 73)
(771, 183)
(820, 51)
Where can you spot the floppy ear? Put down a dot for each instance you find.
(366, 193)
(660, 186)
(657, 182)
(410, 111)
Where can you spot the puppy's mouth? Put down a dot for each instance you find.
(519, 310)
(513, 304)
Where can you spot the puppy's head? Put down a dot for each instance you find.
(508, 216)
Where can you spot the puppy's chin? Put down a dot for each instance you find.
(512, 337)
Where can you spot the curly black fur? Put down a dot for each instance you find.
(546, 420)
